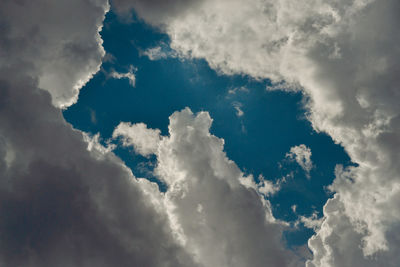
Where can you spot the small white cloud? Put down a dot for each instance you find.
(268, 188)
(238, 107)
(160, 52)
(302, 155)
(144, 140)
(294, 208)
(264, 187)
(312, 222)
(130, 75)
(238, 89)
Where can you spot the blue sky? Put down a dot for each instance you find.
(272, 121)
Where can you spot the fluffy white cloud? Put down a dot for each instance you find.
(302, 155)
(344, 55)
(207, 203)
(144, 140)
(130, 75)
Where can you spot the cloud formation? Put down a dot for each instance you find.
(145, 141)
(216, 218)
(344, 56)
(130, 75)
(302, 155)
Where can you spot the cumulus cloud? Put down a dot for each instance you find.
(344, 56)
(208, 204)
(130, 75)
(144, 140)
(302, 155)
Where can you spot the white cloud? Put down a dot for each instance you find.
(232, 217)
(209, 201)
(238, 107)
(130, 75)
(144, 140)
(238, 89)
(160, 52)
(344, 56)
(302, 155)
(312, 222)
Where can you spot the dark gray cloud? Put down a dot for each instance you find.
(59, 40)
(60, 203)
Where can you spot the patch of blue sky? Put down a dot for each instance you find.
(259, 126)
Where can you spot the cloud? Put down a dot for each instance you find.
(302, 155)
(64, 199)
(162, 51)
(312, 222)
(67, 200)
(208, 204)
(238, 107)
(238, 89)
(130, 75)
(63, 50)
(344, 56)
(155, 12)
(63, 205)
(144, 140)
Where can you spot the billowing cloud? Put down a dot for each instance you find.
(217, 219)
(302, 155)
(145, 141)
(344, 56)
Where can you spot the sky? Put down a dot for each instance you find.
(199, 133)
